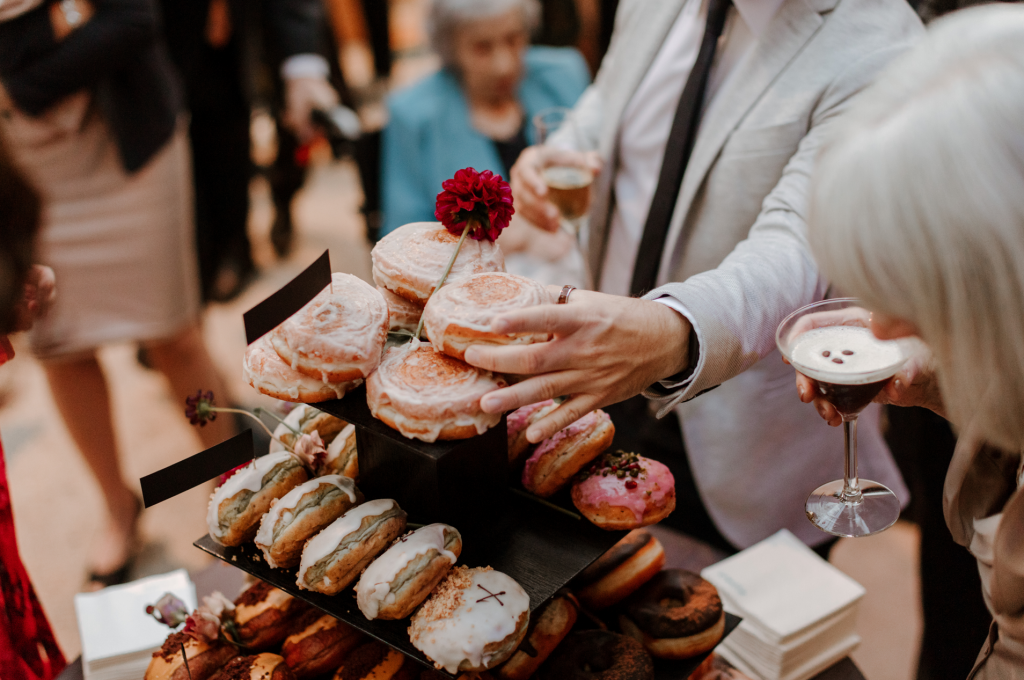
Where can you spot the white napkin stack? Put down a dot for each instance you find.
(799, 612)
(118, 637)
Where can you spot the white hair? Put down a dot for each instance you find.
(448, 16)
(918, 209)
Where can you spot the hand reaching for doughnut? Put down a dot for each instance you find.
(606, 348)
(916, 384)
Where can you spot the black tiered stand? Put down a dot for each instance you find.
(465, 484)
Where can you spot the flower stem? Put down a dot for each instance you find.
(184, 658)
(259, 410)
(218, 409)
(544, 502)
(470, 224)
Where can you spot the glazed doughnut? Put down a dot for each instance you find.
(598, 655)
(403, 315)
(320, 646)
(203, 659)
(625, 491)
(518, 422)
(396, 582)
(337, 336)
(676, 615)
(460, 313)
(255, 667)
(473, 621)
(264, 615)
(411, 259)
(548, 627)
(307, 420)
(630, 563)
(558, 458)
(341, 455)
(270, 375)
(429, 396)
(371, 661)
(334, 558)
(237, 506)
(299, 514)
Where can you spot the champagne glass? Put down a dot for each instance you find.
(830, 343)
(565, 171)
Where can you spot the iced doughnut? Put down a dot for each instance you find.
(558, 458)
(625, 491)
(403, 315)
(270, 375)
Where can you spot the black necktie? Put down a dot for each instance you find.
(677, 154)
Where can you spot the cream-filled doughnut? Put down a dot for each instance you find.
(256, 667)
(548, 627)
(305, 419)
(338, 335)
(558, 458)
(625, 491)
(301, 513)
(519, 421)
(268, 374)
(319, 646)
(473, 621)
(618, 573)
(459, 314)
(401, 578)
(403, 315)
(237, 506)
(264, 615)
(204, 659)
(342, 458)
(411, 259)
(429, 396)
(334, 558)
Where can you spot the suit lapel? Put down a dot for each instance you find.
(795, 24)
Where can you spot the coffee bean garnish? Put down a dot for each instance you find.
(826, 354)
(837, 360)
(848, 352)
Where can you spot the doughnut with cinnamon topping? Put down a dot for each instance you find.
(268, 374)
(460, 313)
(676, 615)
(337, 336)
(204, 659)
(403, 315)
(430, 396)
(410, 260)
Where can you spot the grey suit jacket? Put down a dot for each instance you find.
(737, 255)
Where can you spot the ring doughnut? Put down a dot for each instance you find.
(630, 563)
(598, 655)
(676, 615)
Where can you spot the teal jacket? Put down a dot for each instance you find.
(429, 135)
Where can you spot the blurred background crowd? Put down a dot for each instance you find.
(267, 131)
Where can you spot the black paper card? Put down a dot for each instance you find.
(269, 314)
(198, 469)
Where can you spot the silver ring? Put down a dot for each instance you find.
(563, 297)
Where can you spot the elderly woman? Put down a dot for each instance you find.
(476, 112)
(918, 210)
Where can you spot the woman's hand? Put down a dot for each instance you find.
(40, 291)
(531, 192)
(60, 13)
(916, 384)
(605, 349)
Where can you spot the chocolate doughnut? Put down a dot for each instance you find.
(598, 655)
(676, 615)
(621, 571)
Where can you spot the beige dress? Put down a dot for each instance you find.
(122, 246)
(984, 508)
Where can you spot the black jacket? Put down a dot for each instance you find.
(117, 54)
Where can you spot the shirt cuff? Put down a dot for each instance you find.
(675, 382)
(305, 66)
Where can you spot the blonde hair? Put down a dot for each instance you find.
(918, 208)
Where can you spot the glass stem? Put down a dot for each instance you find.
(851, 482)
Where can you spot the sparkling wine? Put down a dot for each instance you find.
(849, 363)
(569, 189)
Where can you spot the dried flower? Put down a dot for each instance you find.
(217, 604)
(199, 409)
(482, 197)
(168, 610)
(309, 448)
(203, 626)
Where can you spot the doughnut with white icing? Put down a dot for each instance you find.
(299, 514)
(411, 259)
(306, 419)
(270, 375)
(400, 579)
(475, 620)
(430, 396)
(459, 314)
(342, 458)
(333, 558)
(403, 315)
(237, 506)
(338, 335)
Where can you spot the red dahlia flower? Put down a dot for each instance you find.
(480, 196)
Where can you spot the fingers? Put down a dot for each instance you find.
(537, 388)
(805, 387)
(541, 357)
(828, 412)
(530, 191)
(557, 319)
(566, 414)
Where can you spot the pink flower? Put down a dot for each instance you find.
(482, 196)
(168, 610)
(310, 450)
(203, 626)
